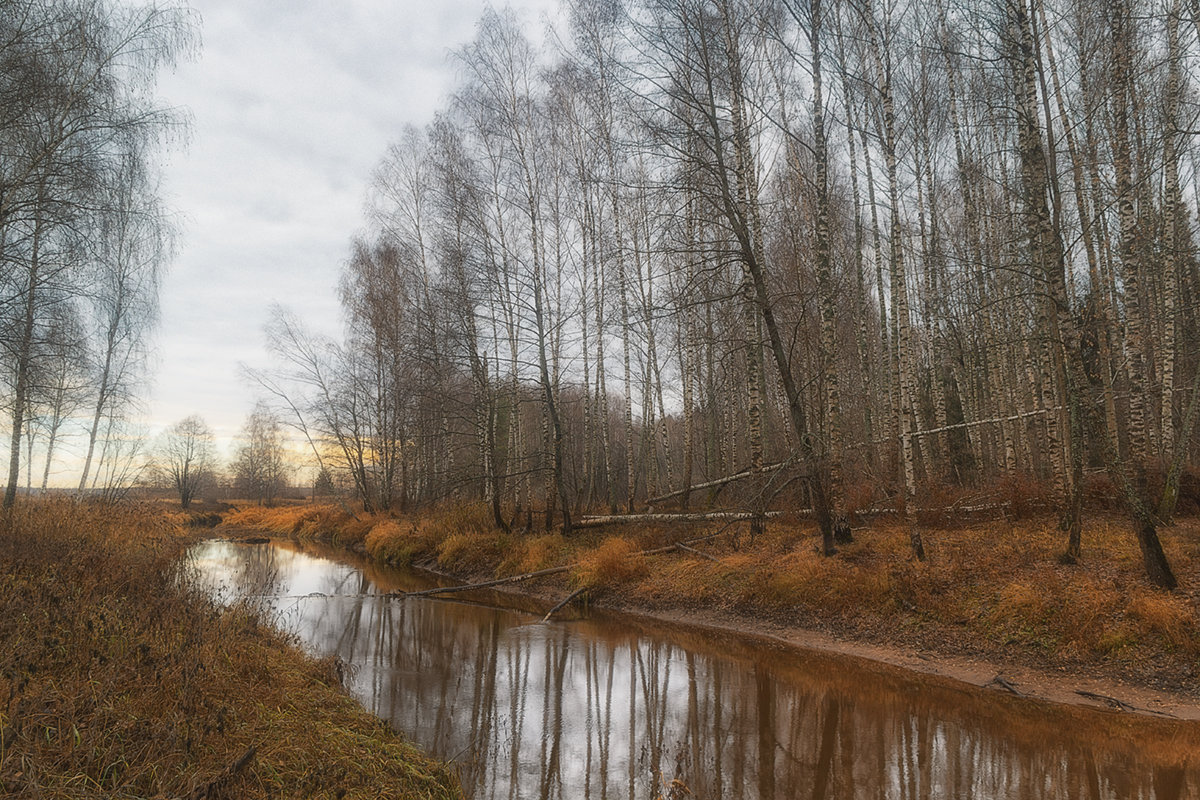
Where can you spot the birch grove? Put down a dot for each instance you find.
(838, 255)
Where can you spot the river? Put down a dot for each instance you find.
(604, 706)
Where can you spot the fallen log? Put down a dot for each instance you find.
(695, 552)
(1005, 685)
(563, 604)
(975, 509)
(711, 516)
(487, 584)
(1120, 705)
(697, 487)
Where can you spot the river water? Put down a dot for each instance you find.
(597, 706)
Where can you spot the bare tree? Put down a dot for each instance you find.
(964, 261)
(260, 468)
(77, 108)
(184, 457)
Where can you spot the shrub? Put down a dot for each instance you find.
(937, 502)
(1166, 616)
(1024, 496)
(616, 561)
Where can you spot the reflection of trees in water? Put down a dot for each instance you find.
(587, 711)
(539, 711)
(231, 572)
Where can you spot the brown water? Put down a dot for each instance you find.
(610, 707)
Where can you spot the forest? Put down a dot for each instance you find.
(768, 376)
(844, 257)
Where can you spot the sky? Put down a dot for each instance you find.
(292, 104)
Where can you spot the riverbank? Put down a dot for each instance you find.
(117, 679)
(993, 600)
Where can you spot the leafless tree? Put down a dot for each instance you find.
(853, 253)
(260, 469)
(185, 459)
(78, 111)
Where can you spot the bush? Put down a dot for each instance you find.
(1024, 496)
(616, 561)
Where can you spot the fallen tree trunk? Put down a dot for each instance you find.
(1005, 685)
(712, 516)
(737, 476)
(683, 547)
(487, 584)
(563, 604)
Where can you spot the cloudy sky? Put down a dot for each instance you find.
(292, 104)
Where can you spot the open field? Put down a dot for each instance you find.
(119, 680)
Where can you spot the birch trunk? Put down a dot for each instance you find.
(901, 328)
(24, 359)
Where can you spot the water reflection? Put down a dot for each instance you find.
(610, 709)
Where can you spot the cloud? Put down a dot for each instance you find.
(293, 105)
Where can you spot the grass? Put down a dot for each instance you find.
(331, 523)
(117, 679)
(994, 589)
(616, 561)
(987, 588)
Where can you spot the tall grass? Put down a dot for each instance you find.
(118, 679)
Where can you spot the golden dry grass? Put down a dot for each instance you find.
(996, 584)
(118, 680)
(614, 562)
(324, 522)
(532, 553)
(991, 588)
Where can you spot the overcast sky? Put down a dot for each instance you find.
(292, 104)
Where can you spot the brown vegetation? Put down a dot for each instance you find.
(119, 680)
(996, 589)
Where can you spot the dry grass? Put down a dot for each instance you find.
(532, 553)
(325, 522)
(470, 553)
(995, 589)
(988, 587)
(118, 680)
(616, 561)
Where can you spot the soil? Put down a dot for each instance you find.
(1055, 685)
